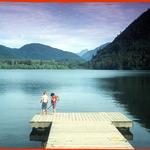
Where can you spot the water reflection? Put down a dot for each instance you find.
(133, 93)
(40, 134)
(29, 87)
(126, 133)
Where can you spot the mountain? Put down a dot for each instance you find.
(6, 52)
(36, 51)
(89, 54)
(82, 52)
(129, 50)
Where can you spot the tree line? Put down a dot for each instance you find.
(40, 64)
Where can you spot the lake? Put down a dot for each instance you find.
(79, 91)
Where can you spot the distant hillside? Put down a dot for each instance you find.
(81, 53)
(37, 52)
(6, 52)
(89, 54)
(129, 50)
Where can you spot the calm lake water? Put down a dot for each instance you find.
(80, 91)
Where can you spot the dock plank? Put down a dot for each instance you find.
(68, 135)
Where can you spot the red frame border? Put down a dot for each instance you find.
(74, 1)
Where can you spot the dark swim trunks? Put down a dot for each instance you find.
(44, 105)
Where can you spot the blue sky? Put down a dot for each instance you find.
(67, 26)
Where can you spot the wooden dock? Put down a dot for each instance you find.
(96, 130)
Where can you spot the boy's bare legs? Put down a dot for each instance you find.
(42, 112)
(46, 111)
(54, 110)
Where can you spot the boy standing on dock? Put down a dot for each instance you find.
(44, 101)
(54, 100)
